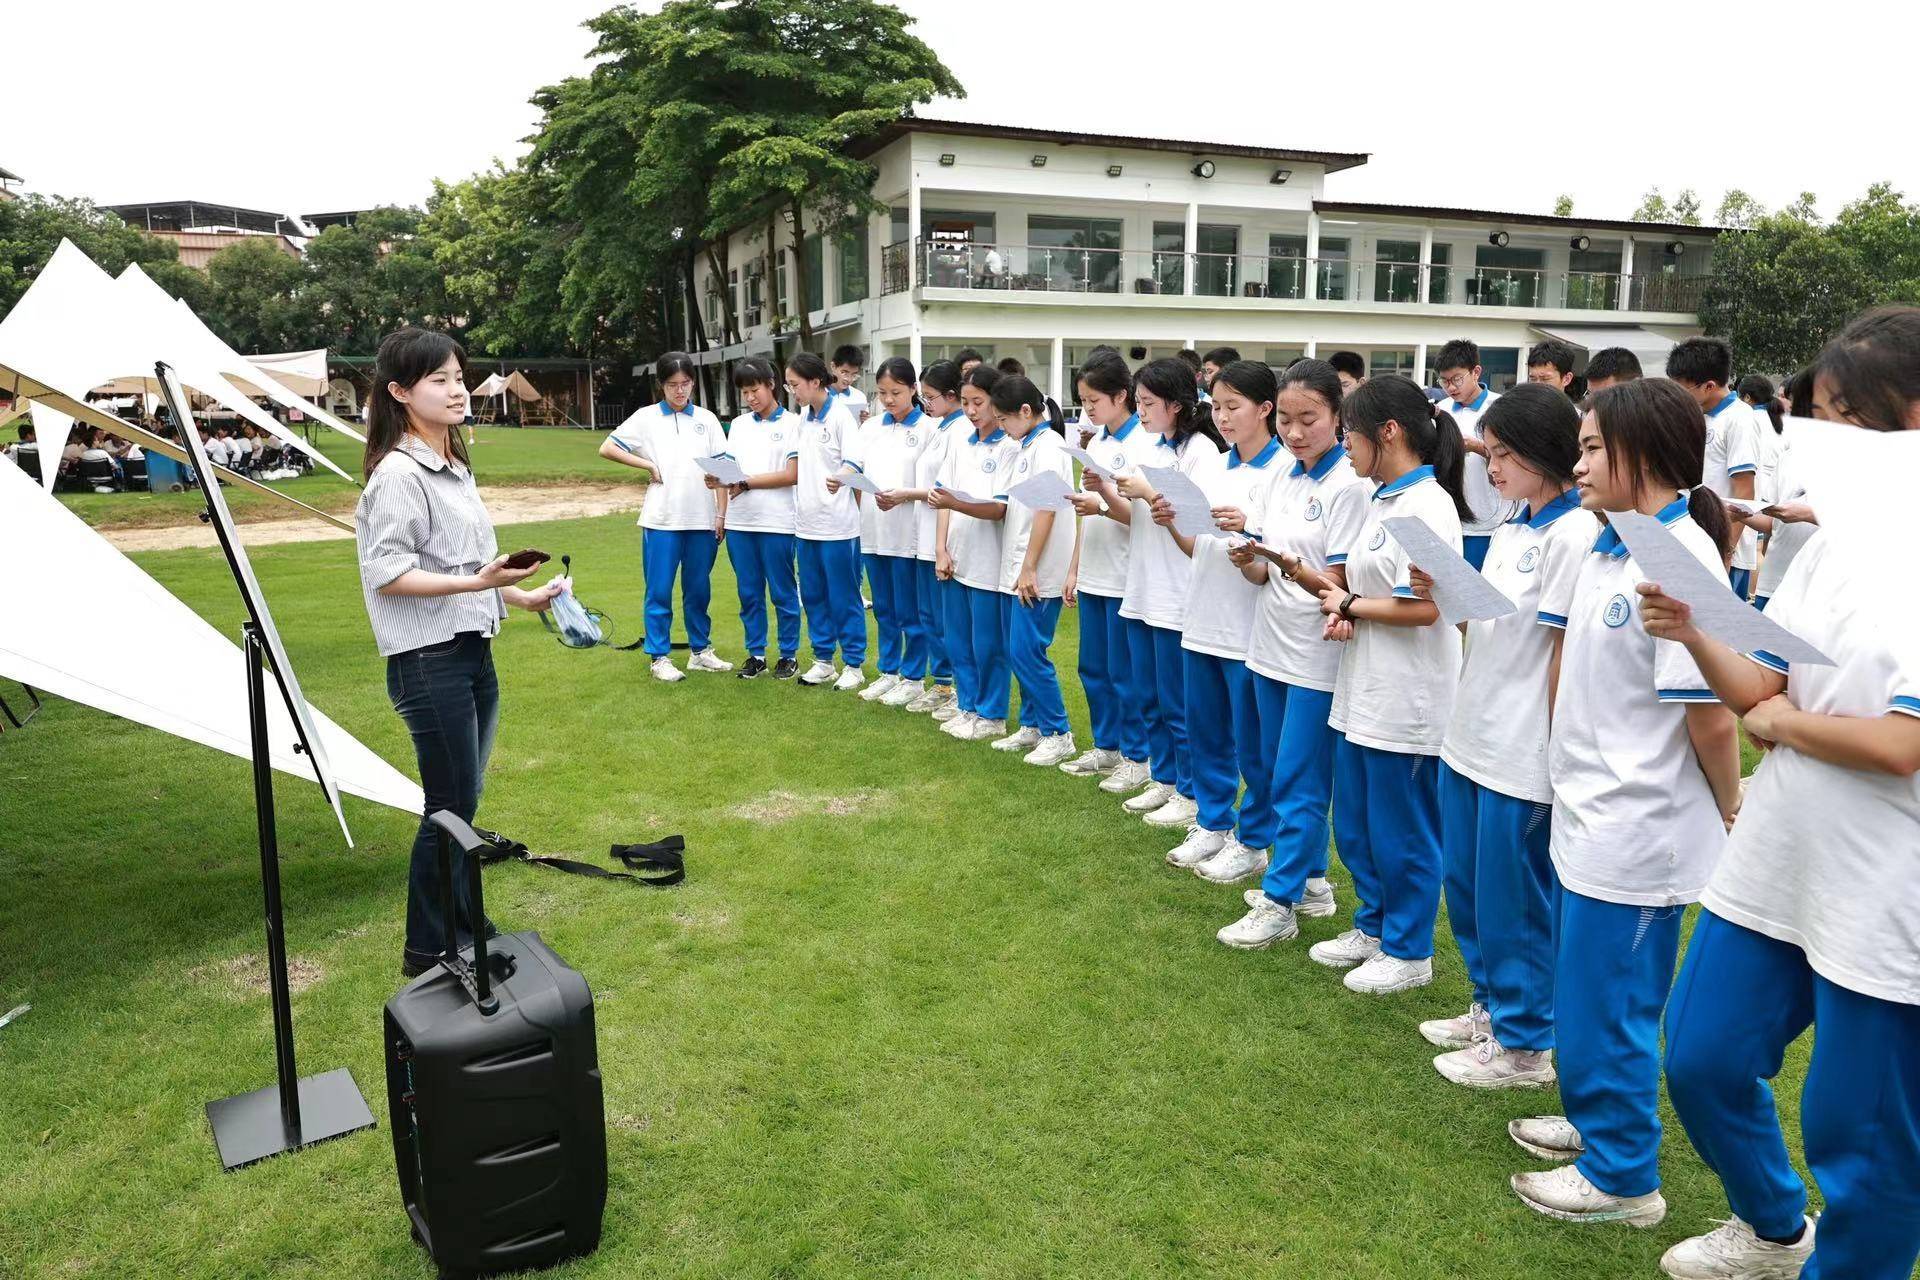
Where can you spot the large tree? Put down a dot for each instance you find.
(32, 227)
(1780, 288)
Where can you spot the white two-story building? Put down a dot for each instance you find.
(1040, 244)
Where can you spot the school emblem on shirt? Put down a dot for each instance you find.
(826, 435)
(1379, 539)
(989, 466)
(1619, 609)
(1023, 465)
(1313, 508)
(1119, 462)
(700, 428)
(1529, 560)
(778, 436)
(912, 439)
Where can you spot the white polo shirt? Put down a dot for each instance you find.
(890, 457)
(1103, 542)
(820, 516)
(1158, 572)
(677, 497)
(1395, 687)
(1040, 450)
(1490, 510)
(1220, 601)
(1498, 734)
(926, 474)
(1317, 515)
(1823, 856)
(763, 446)
(854, 399)
(977, 467)
(1733, 450)
(1634, 821)
(1787, 540)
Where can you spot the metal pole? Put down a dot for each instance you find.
(289, 1076)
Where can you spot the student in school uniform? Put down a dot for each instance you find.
(849, 361)
(1230, 837)
(889, 455)
(1304, 531)
(969, 495)
(1216, 359)
(1394, 690)
(1036, 550)
(765, 442)
(827, 528)
(1610, 366)
(940, 400)
(1551, 362)
(1350, 367)
(1757, 396)
(1496, 801)
(1158, 576)
(1794, 524)
(681, 519)
(1458, 366)
(1099, 581)
(1704, 366)
(1808, 920)
(1645, 766)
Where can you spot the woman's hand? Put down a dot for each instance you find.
(1792, 513)
(497, 576)
(1070, 595)
(886, 500)
(1330, 601)
(1338, 630)
(939, 499)
(1026, 588)
(942, 563)
(1241, 554)
(1763, 720)
(1086, 504)
(712, 483)
(1421, 581)
(1230, 519)
(538, 600)
(1162, 511)
(834, 484)
(1086, 435)
(1665, 618)
(720, 528)
(735, 489)
(1134, 487)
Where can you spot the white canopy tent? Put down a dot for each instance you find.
(250, 372)
(1651, 348)
(93, 627)
(302, 372)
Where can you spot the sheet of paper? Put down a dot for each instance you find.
(725, 470)
(961, 495)
(1745, 506)
(1459, 591)
(1716, 610)
(857, 480)
(1087, 462)
(1044, 492)
(1192, 513)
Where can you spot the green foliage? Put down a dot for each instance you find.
(1738, 209)
(500, 263)
(1563, 206)
(31, 228)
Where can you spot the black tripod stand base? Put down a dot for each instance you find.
(248, 1128)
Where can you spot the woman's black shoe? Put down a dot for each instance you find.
(786, 669)
(752, 667)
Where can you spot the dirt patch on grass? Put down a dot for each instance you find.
(247, 975)
(785, 806)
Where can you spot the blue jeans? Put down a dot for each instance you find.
(690, 552)
(1030, 629)
(450, 700)
(762, 567)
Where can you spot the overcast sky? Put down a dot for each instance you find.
(355, 103)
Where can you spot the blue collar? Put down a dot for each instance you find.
(1566, 502)
(671, 412)
(777, 411)
(1328, 461)
(1609, 543)
(1477, 402)
(1260, 460)
(1034, 434)
(887, 419)
(951, 418)
(998, 435)
(1715, 411)
(1404, 483)
(1126, 428)
(1167, 442)
(815, 415)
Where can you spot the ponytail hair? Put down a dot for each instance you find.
(1757, 390)
(1651, 427)
(1172, 380)
(1058, 419)
(900, 369)
(1015, 391)
(943, 376)
(1432, 434)
(1253, 379)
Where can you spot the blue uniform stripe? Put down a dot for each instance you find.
(1404, 593)
(1546, 619)
(1771, 661)
(1906, 706)
(1686, 695)
(1334, 560)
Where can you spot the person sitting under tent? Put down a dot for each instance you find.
(27, 437)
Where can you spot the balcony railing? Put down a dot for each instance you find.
(1074, 270)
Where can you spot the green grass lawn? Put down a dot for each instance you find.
(502, 456)
(968, 1024)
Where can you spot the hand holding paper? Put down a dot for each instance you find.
(1458, 589)
(857, 480)
(723, 469)
(1192, 513)
(1044, 492)
(1086, 462)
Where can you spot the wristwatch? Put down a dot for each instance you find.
(1346, 606)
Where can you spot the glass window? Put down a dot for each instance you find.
(898, 231)
(1169, 257)
(782, 296)
(733, 289)
(1075, 253)
(853, 263)
(1286, 267)
(713, 304)
(816, 249)
(1396, 271)
(1506, 277)
(1593, 279)
(1217, 272)
(1281, 357)
(1069, 395)
(1442, 281)
(1390, 361)
(1334, 269)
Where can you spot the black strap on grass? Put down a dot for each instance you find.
(667, 856)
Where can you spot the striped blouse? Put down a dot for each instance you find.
(420, 511)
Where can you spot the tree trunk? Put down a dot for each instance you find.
(800, 277)
(772, 300)
(729, 319)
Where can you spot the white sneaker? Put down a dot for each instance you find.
(1156, 794)
(1053, 750)
(1128, 775)
(931, 698)
(708, 660)
(984, 729)
(959, 726)
(1023, 739)
(948, 710)
(1176, 812)
(1319, 899)
(1265, 923)
(851, 678)
(818, 673)
(904, 693)
(1460, 1032)
(1199, 845)
(1350, 948)
(663, 669)
(1731, 1251)
(1234, 863)
(1094, 763)
(1565, 1193)
(1382, 975)
(880, 688)
(1549, 1137)
(1487, 1064)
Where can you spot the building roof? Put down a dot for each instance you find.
(7, 175)
(1333, 160)
(185, 215)
(338, 218)
(1512, 219)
